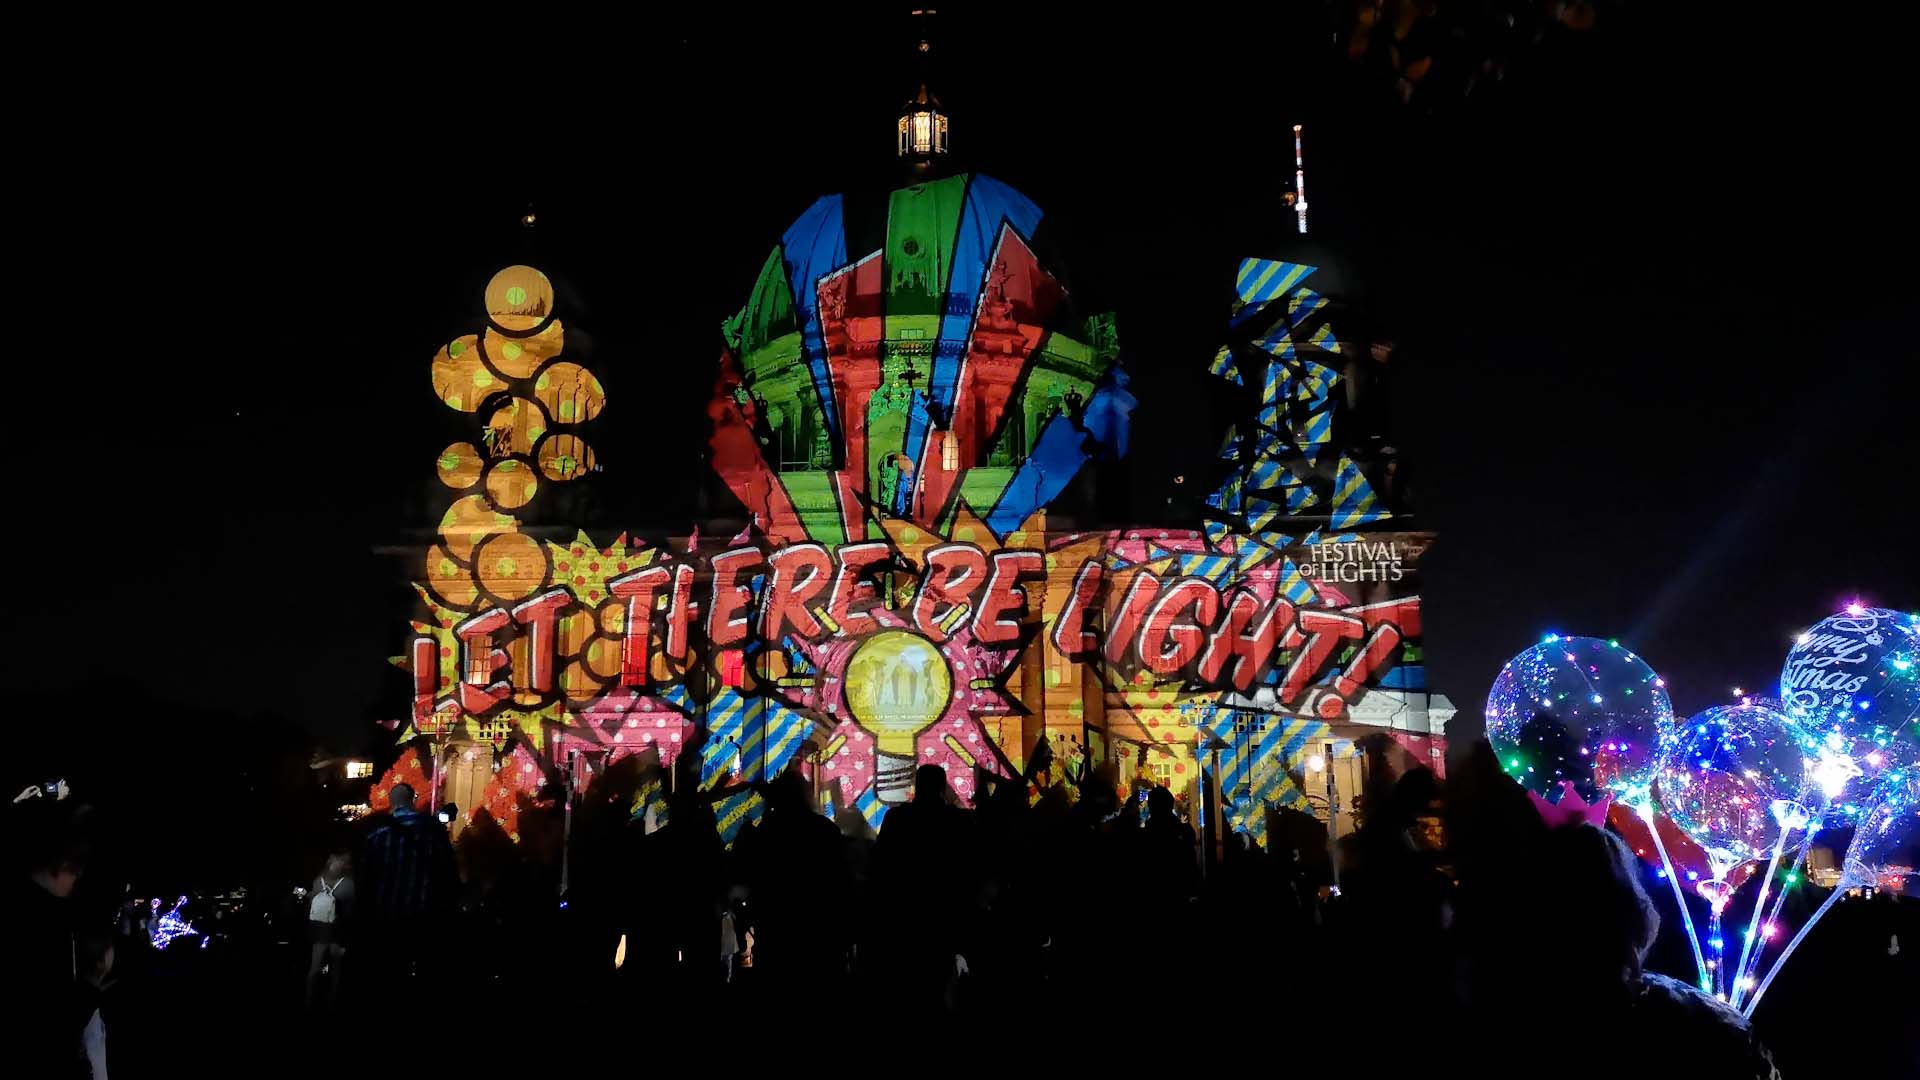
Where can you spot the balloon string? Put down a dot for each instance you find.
(1780, 898)
(1680, 897)
(1788, 951)
(1719, 960)
(1753, 924)
(1749, 964)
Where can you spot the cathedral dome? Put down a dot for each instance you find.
(941, 353)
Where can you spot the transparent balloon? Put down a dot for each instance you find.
(1733, 778)
(1886, 839)
(1851, 688)
(1580, 709)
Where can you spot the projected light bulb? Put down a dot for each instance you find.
(897, 686)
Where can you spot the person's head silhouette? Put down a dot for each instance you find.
(787, 793)
(1160, 804)
(1604, 920)
(1566, 900)
(401, 798)
(56, 837)
(929, 784)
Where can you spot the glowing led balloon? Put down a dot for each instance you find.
(1732, 777)
(1851, 687)
(1886, 841)
(1579, 709)
(170, 925)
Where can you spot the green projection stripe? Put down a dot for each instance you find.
(981, 487)
(922, 222)
(812, 496)
(769, 311)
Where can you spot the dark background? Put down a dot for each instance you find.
(1651, 291)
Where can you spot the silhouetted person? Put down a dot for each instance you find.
(673, 900)
(96, 965)
(485, 855)
(1554, 936)
(407, 882)
(520, 909)
(55, 989)
(1297, 842)
(1387, 930)
(795, 870)
(1386, 877)
(1006, 957)
(1167, 850)
(596, 878)
(925, 871)
(857, 837)
(329, 916)
(1095, 898)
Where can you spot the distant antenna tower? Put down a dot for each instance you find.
(1299, 182)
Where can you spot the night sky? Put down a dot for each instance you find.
(1651, 292)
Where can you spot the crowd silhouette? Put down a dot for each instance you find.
(1521, 942)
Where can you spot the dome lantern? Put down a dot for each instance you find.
(922, 127)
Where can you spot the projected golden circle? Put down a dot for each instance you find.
(449, 579)
(511, 483)
(519, 291)
(459, 378)
(468, 521)
(510, 566)
(613, 618)
(575, 629)
(515, 427)
(577, 682)
(897, 686)
(521, 357)
(603, 657)
(570, 393)
(565, 457)
(461, 465)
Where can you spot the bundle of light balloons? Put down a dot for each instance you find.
(1751, 784)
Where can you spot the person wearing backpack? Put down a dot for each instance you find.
(329, 907)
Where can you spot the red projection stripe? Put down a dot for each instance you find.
(852, 325)
(1011, 318)
(737, 458)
